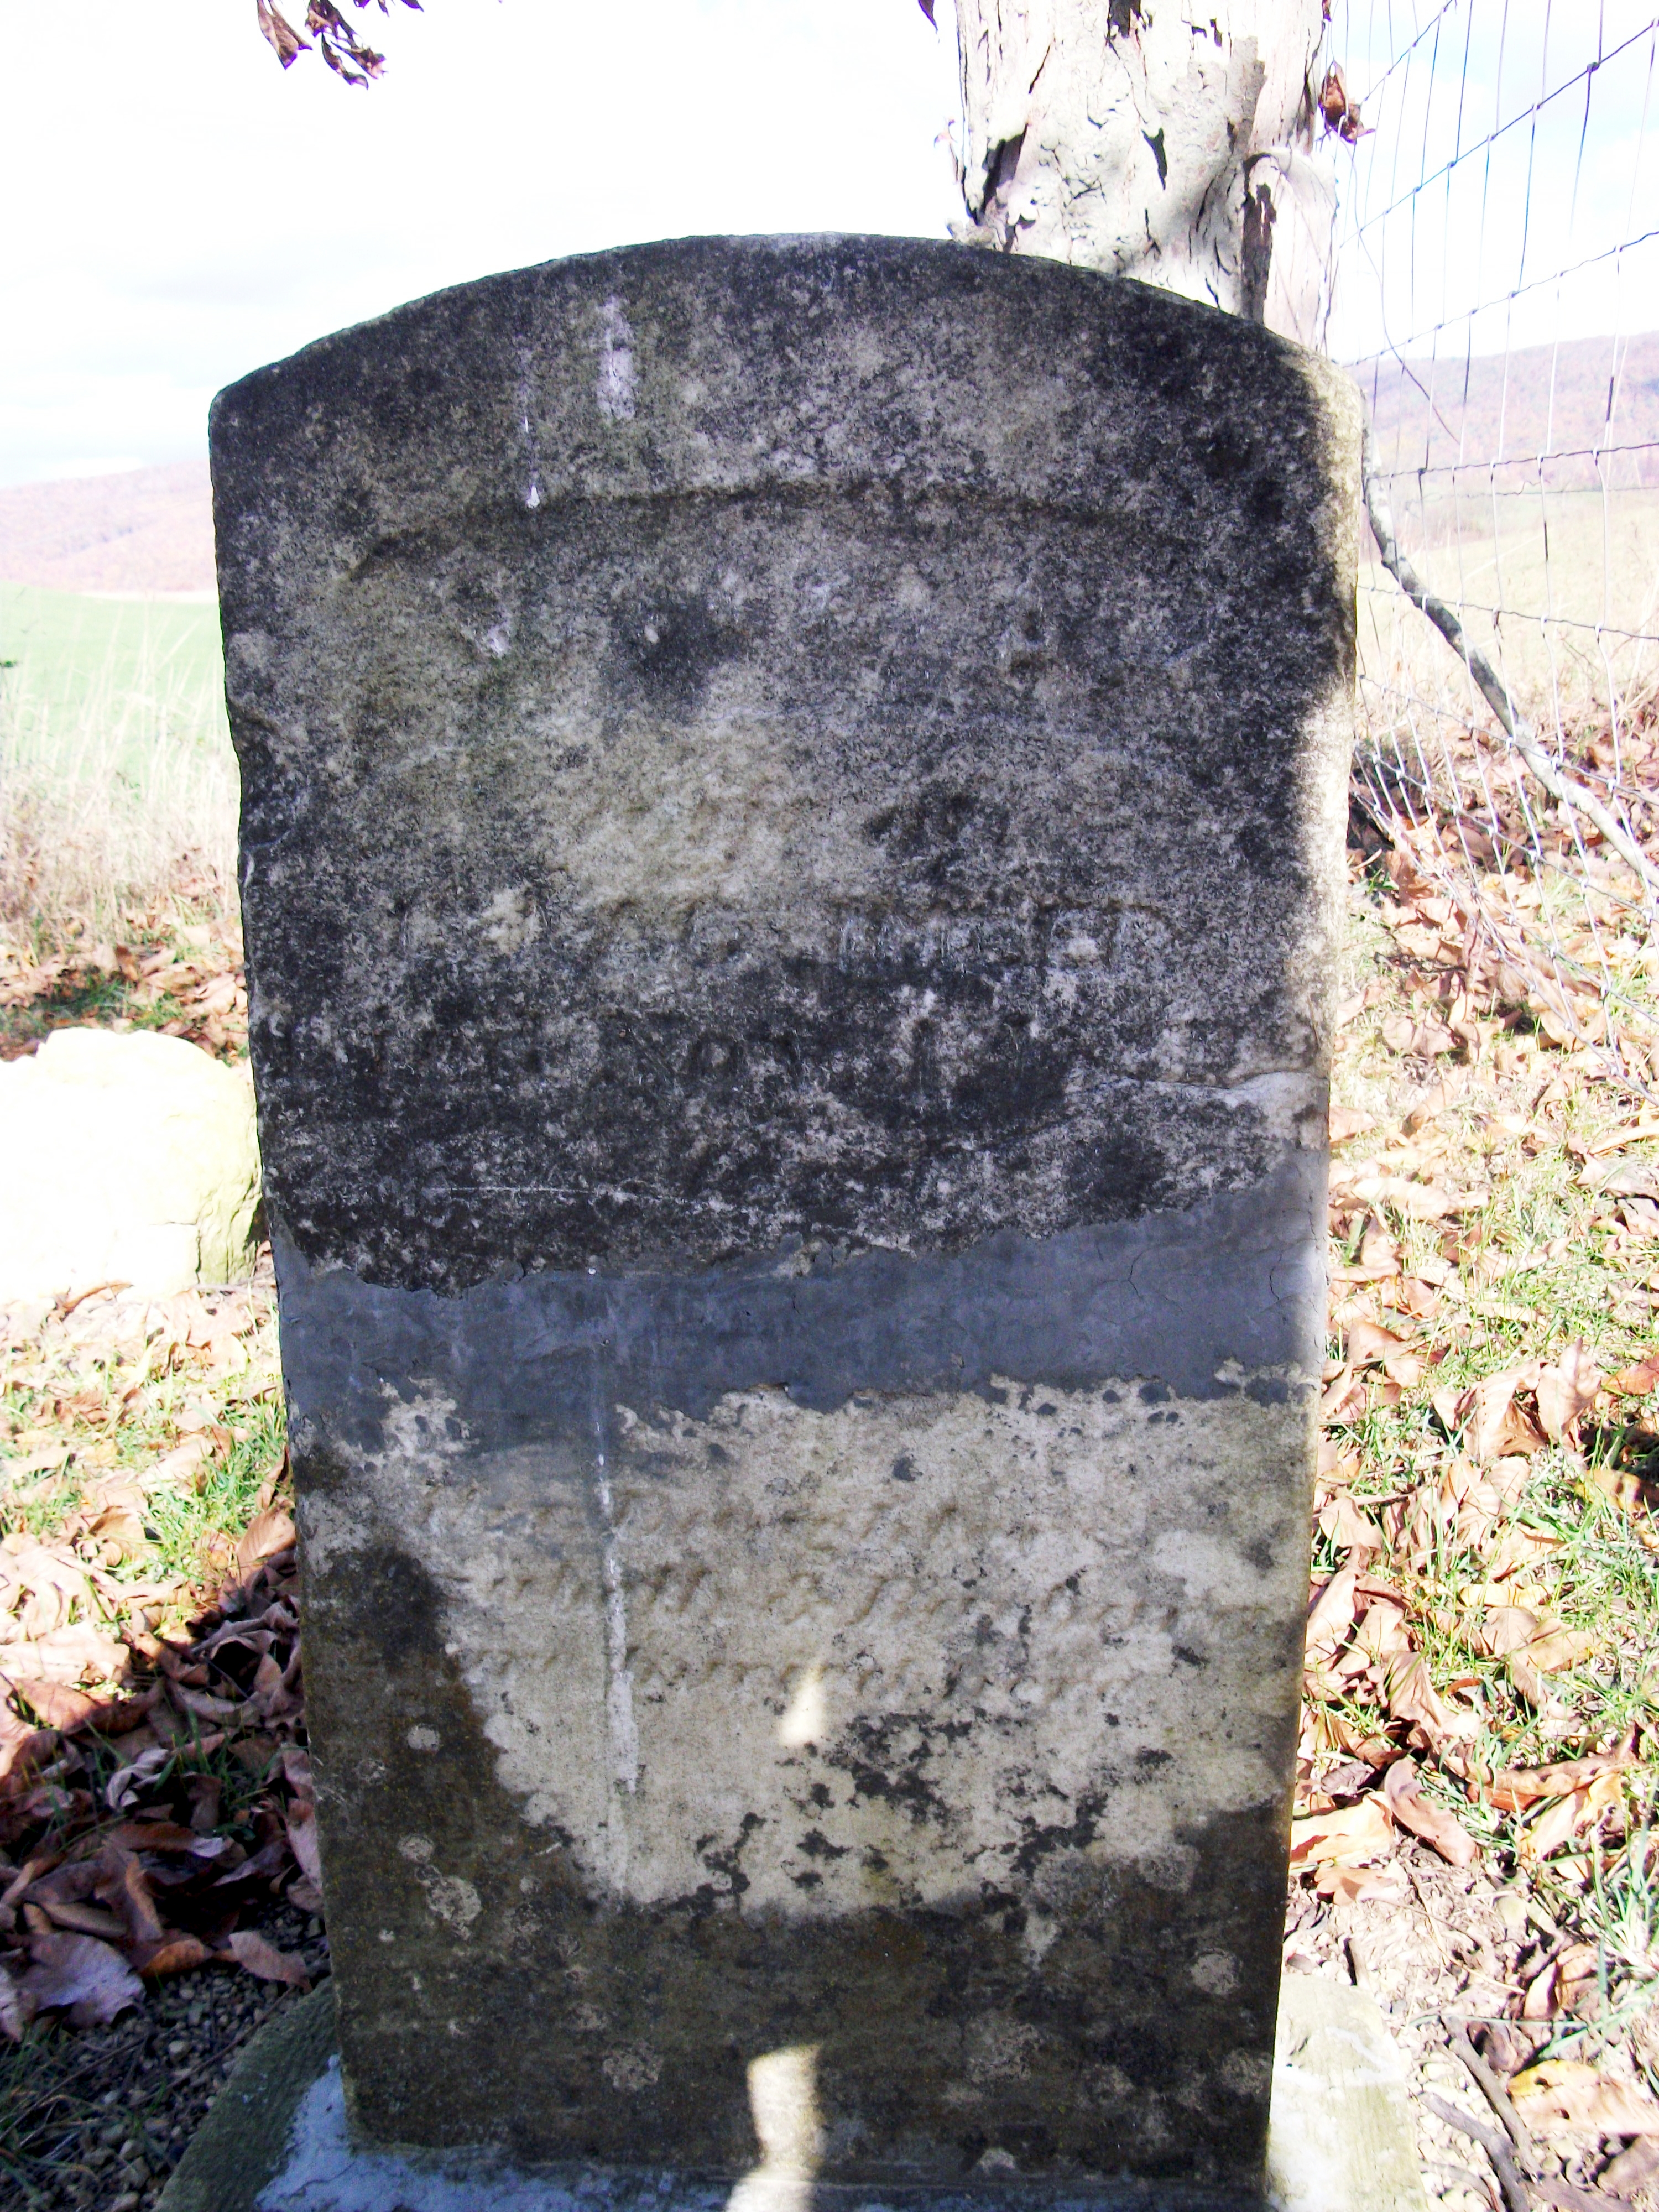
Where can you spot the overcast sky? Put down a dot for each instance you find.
(180, 211)
(1501, 195)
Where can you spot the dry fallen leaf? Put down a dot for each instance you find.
(1368, 1344)
(1554, 1826)
(1560, 1821)
(1372, 1885)
(1444, 1831)
(52, 1583)
(250, 1950)
(84, 1919)
(1382, 1629)
(1493, 1426)
(1535, 1687)
(126, 1781)
(23, 1748)
(1630, 1492)
(81, 1975)
(1543, 1992)
(1636, 1381)
(1560, 1647)
(1348, 1122)
(1419, 1297)
(1563, 2096)
(1625, 1179)
(1511, 1474)
(1418, 1201)
(155, 1835)
(302, 1840)
(1332, 1613)
(1412, 1696)
(1337, 1467)
(1341, 1388)
(1518, 1548)
(198, 1702)
(1379, 1252)
(1402, 1034)
(1616, 1139)
(16, 2008)
(1507, 1628)
(1552, 1830)
(1631, 2170)
(177, 1955)
(54, 1703)
(179, 1468)
(1343, 1523)
(1346, 1836)
(1509, 1631)
(124, 1886)
(117, 1516)
(1435, 1101)
(1580, 1965)
(1514, 1788)
(77, 1654)
(1565, 1389)
(270, 1531)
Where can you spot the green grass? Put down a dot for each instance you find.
(83, 995)
(117, 778)
(71, 653)
(1537, 1273)
(183, 1521)
(141, 1413)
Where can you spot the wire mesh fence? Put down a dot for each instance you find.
(1497, 297)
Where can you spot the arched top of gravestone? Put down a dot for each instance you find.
(731, 365)
(755, 741)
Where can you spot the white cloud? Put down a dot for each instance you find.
(92, 465)
(193, 211)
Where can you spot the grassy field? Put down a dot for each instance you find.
(1559, 589)
(69, 654)
(116, 779)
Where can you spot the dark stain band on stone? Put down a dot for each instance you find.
(1226, 1295)
(1122, 2067)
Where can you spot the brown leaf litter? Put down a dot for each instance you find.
(108, 1816)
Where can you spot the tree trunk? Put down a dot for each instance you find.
(1170, 140)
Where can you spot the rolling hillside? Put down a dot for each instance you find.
(1557, 401)
(147, 531)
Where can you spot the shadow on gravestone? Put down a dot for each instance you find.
(793, 796)
(275, 2137)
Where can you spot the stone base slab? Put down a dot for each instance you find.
(275, 2139)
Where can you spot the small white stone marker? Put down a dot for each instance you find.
(1340, 2139)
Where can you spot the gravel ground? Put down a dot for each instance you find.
(1454, 1955)
(96, 2121)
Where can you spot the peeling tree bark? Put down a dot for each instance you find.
(1164, 139)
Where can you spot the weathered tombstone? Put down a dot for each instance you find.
(792, 803)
